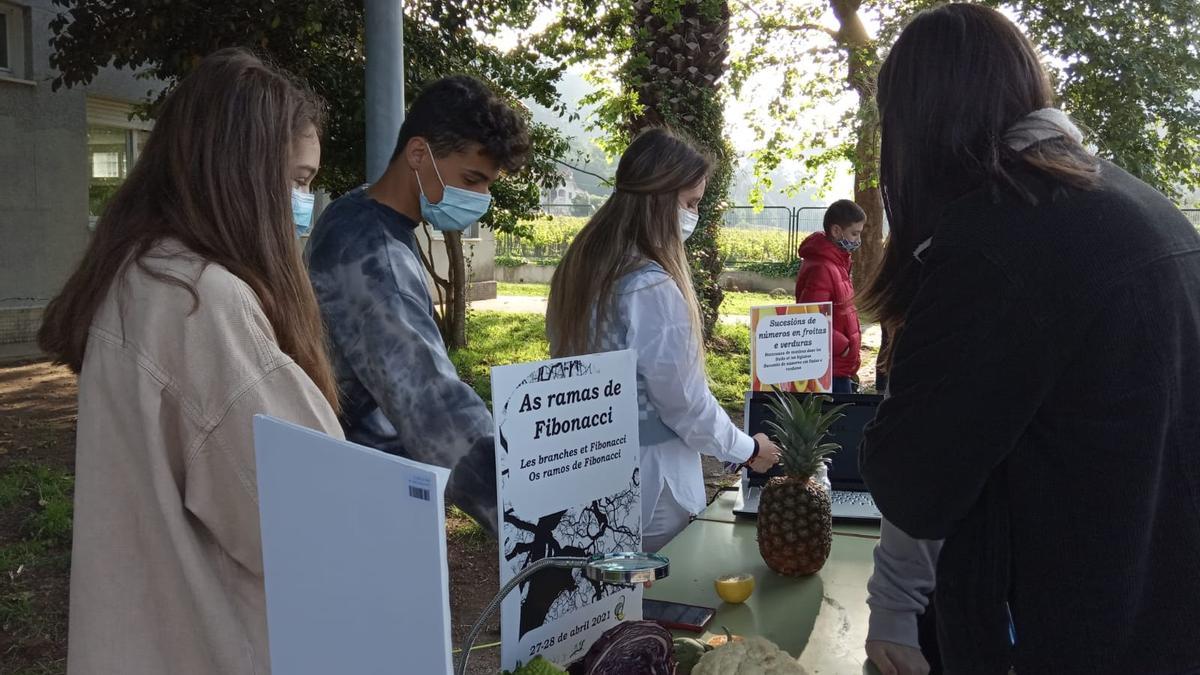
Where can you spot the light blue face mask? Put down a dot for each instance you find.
(302, 210)
(847, 245)
(459, 208)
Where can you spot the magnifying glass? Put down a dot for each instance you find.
(624, 568)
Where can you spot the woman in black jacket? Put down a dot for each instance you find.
(1043, 417)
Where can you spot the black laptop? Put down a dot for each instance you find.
(851, 500)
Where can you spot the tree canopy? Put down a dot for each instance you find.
(322, 42)
(1128, 70)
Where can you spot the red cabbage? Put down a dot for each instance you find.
(632, 648)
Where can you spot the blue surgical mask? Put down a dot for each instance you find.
(687, 222)
(302, 211)
(459, 208)
(847, 245)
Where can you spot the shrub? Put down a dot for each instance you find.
(544, 241)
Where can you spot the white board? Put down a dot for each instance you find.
(567, 458)
(354, 555)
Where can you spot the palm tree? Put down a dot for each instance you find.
(675, 69)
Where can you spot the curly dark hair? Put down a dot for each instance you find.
(454, 112)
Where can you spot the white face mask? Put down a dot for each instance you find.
(687, 222)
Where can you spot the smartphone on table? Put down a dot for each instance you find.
(676, 615)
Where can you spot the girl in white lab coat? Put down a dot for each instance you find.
(625, 283)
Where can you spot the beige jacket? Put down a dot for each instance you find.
(166, 570)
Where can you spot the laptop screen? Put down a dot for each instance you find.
(847, 432)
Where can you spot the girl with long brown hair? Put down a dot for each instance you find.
(625, 283)
(190, 313)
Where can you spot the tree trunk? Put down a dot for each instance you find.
(455, 319)
(450, 292)
(861, 74)
(706, 259)
(867, 193)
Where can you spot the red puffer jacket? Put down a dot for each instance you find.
(825, 277)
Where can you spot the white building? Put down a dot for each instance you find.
(566, 199)
(61, 156)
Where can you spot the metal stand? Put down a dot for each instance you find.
(562, 563)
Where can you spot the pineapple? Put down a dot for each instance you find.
(795, 524)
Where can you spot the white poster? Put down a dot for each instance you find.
(354, 556)
(791, 347)
(567, 461)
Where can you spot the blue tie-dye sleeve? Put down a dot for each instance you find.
(401, 361)
(391, 362)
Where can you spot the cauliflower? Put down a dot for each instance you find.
(752, 656)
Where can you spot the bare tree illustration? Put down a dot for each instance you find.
(605, 525)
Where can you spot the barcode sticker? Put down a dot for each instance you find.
(420, 487)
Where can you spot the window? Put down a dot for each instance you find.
(5, 61)
(111, 153)
(472, 232)
(12, 43)
(114, 141)
(106, 164)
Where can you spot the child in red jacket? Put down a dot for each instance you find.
(825, 277)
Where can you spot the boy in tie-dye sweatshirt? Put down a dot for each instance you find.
(401, 393)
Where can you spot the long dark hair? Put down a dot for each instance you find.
(639, 222)
(957, 79)
(214, 175)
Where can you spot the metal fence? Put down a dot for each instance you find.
(573, 210)
(797, 222)
(513, 247)
(757, 227)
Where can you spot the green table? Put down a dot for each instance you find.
(822, 619)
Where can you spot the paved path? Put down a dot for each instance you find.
(515, 304)
(522, 304)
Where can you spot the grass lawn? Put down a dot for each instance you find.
(500, 339)
(728, 365)
(526, 290)
(736, 302)
(35, 499)
(739, 302)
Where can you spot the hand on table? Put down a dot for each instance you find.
(896, 659)
(768, 454)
